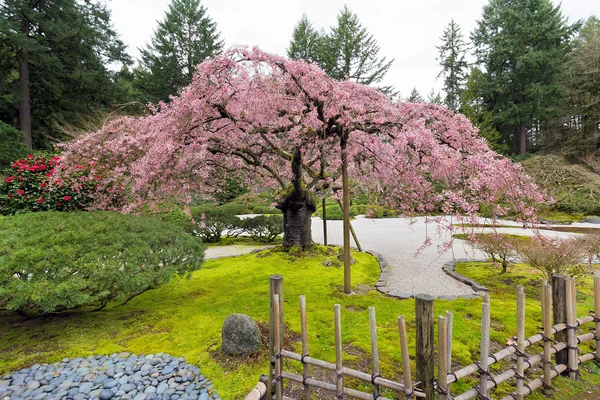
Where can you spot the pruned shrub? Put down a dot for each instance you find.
(265, 210)
(358, 209)
(501, 248)
(334, 212)
(211, 224)
(264, 228)
(55, 262)
(553, 256)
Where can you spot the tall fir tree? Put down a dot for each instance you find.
(306, 42)
(415, 97)
(521, 45)
(452, 59)
(55, 57)
(183, 39)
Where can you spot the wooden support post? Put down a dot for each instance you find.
(597, 312)
(547, 322)
(449, 322)
(304, 334)
(324, 206)
(351, 229)
(374, 351)
(520, 341)
(485, 345)
(277, 348)
(442, 358)
(339, 393)
(346, 210)
(408, 390)
(425, 344)
(559, 310)
(276, 288)
(571, 333)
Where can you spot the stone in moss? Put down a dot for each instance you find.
(240, 335)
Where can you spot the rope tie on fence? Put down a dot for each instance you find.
(373, 377)
(528, 342)
(528, 388)
(517, 375)
(519, 352)
(481, 396)
(445, 392)
(493, 356)
(548, 339)
(454, 375)
(302, 357)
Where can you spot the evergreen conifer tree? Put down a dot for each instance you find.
(454, 64)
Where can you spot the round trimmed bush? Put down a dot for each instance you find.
(53, 262)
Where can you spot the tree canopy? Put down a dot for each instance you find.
(453, 53)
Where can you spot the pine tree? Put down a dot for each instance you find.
(454, 64)
(306, 42)
(56, 67)
(415, 97)
(522, 46)
(434, 98)
(184, 38)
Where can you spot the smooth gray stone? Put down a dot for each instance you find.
(106, 394)
(32, 385)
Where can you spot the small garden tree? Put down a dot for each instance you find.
(287, 123)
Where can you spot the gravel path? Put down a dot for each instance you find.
(118, 376)
(213, 252)
(397, 240)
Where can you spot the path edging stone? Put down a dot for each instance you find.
(448, 268)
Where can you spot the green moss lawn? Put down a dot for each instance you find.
(184, 318)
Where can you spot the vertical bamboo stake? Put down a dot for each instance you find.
(485, 344)
(339, 393)
(324, 222)
(408, 390)
(559, 311)
(571, 337)
(425, 344)
(275, 288)
(520, 340)
(597, 311)
(352, 231)
(374, 351)
(277, 348)
(449, 321)
(442, 358)
(547, 321)
(305, 366)
(346, 211)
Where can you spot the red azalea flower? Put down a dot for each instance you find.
(30, 157)
(40, 200)
(43, 185)
(10, 196)
(7, 180)
(67, 198)
(58, 203)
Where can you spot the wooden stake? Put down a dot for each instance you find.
(449, 321)
(485, 344)
(571, 335)
(425, 343)
(597, 312)
(275, 288)
(442, 358)
(338, 352)
(408, 390)
(277, 349)
(324, 206)
(346, 209)
(351, 229)
(547, 322)
(520, 340)
(304, 334)
(374, 351)
(559, 310)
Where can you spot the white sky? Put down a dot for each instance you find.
(406, 30)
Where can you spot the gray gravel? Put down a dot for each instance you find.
(398, 240)
(214, 252)
(118, 376)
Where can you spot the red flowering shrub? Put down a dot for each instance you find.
(34, 186)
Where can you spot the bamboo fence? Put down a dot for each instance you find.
(558, 303)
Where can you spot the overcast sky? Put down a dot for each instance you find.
(406, 30)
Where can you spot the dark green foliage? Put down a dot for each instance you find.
(11, 145)
(69, 47)
(234, 208)
(522, 47)
(415, 97)
(264, 228)
(334, 212)
(233, 188)
(358, 209)
(306, 42)
(265, 210)
(184, 38)
(54, 262)
(454, 64)
(210, 225)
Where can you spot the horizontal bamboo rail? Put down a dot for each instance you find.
(329, 386)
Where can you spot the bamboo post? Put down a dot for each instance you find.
(276, 288)
(425, 344)
(277, 348)
(547, 322)
(374, 351)
(559, 310)
(352, 231)
(597, 312)
(520, 341)
(339, 393)
(408, 390)
(346, 210)
(304, 334)
(485, 345)
(442, 358)
(449, 321)
(324, 205)
(571, 334)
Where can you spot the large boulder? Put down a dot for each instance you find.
(240, 335)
